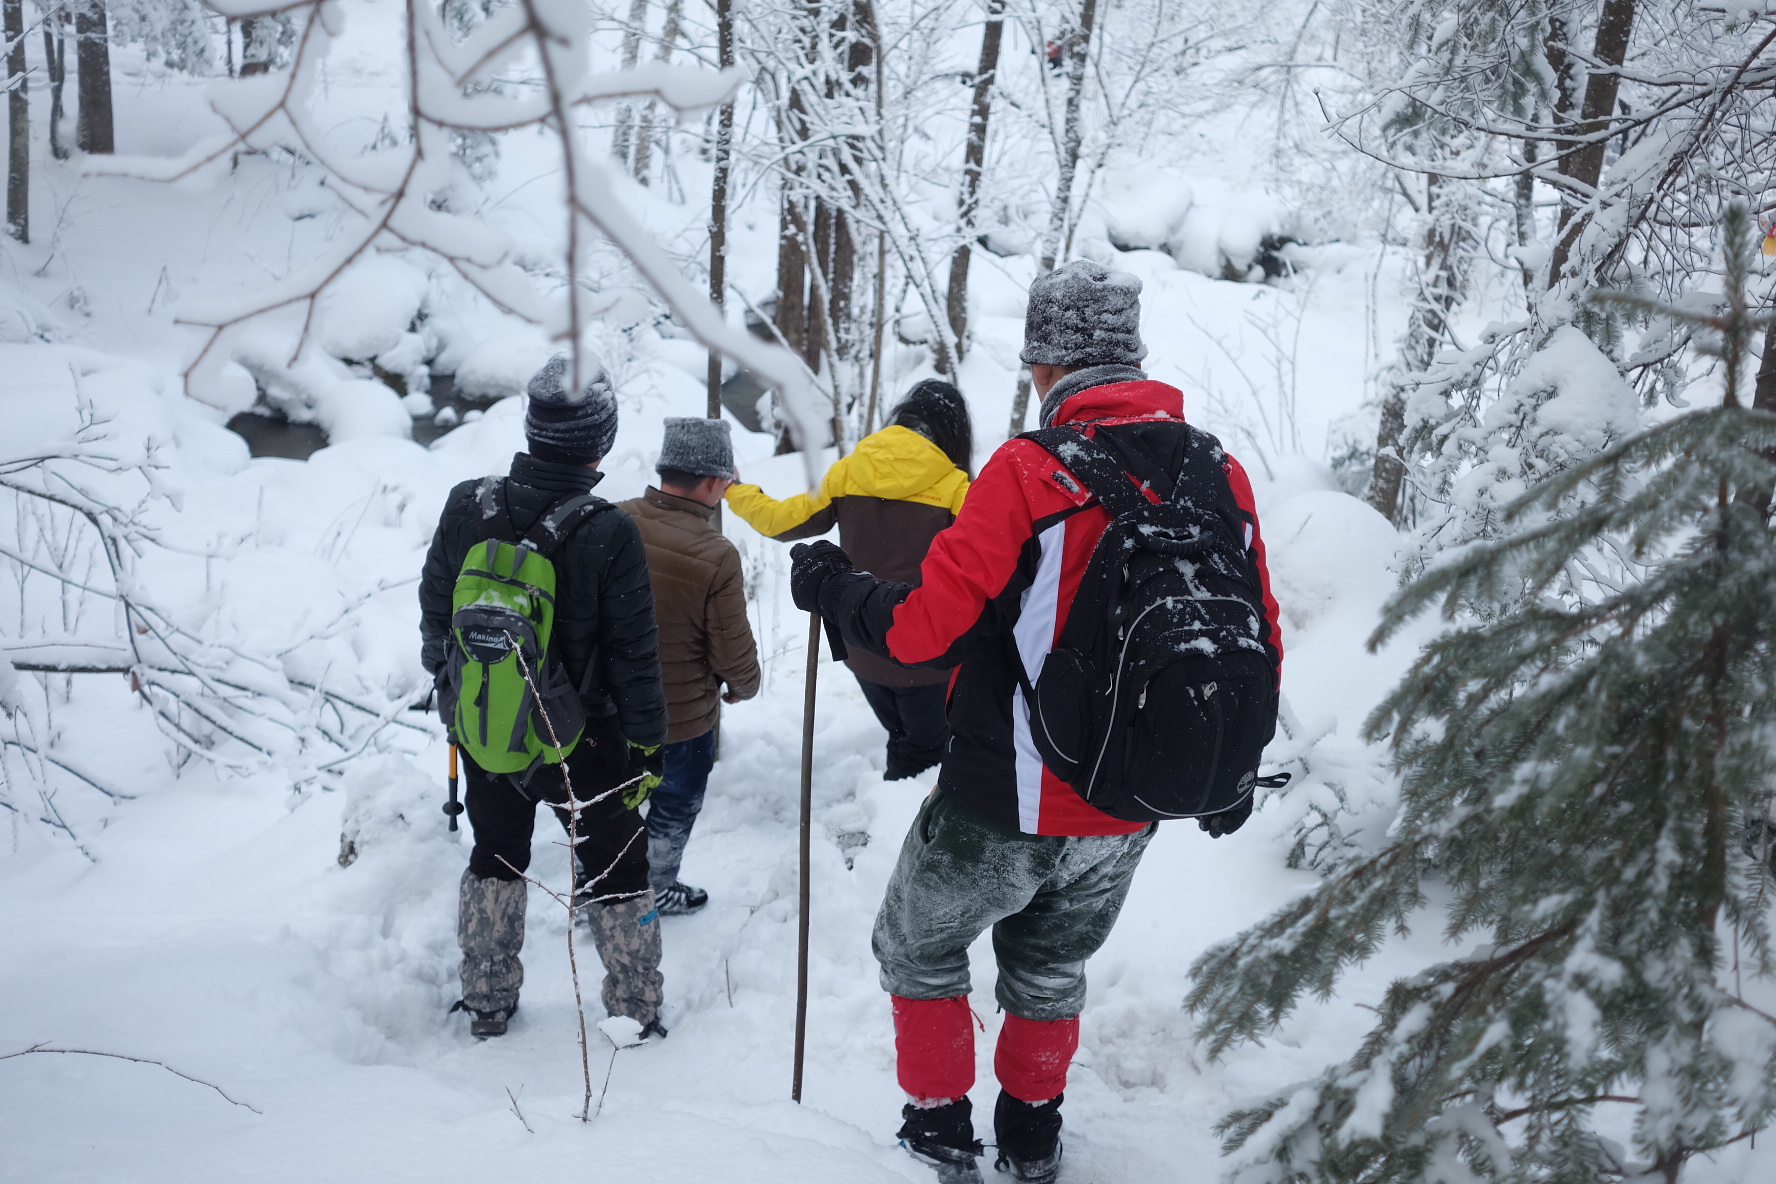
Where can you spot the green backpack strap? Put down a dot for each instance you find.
(557, 524)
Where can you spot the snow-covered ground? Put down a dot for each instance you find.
(206, 922)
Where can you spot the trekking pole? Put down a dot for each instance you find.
(801, 1020)
(453, 807)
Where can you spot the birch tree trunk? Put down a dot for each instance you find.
(644, 138)
(974, 157)
(18, 113)
(625, 129)
(92, 53)
(1077, 46)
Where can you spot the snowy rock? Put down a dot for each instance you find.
(1144, 208)
(366, 311)
(1329, 554)
(24, 318)
(1226, 234)
(1247, 223)
(387, 802)
(228, 386)
(501, 366)
(358, 408)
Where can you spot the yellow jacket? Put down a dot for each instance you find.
(895, 463)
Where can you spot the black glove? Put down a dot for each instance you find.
(812, 565)
(1228, 821)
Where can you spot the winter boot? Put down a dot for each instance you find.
(943, 1137)
(1029, 1135)
(627, 934)
(486, 1023)
(490, 930)
(679, 898)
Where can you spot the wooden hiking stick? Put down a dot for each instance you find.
(801, 1018)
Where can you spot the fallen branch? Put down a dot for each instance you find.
(118, 1056)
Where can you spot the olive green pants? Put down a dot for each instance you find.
(1051, 900)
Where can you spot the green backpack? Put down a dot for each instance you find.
(515, 709)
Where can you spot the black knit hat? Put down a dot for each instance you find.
(565, 426)
(1084, 314)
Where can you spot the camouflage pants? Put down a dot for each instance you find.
(1050, 900)
(613, 845)
(490, 930)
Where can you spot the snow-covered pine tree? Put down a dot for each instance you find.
(1588, 782)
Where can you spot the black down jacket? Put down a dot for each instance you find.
(604, 605)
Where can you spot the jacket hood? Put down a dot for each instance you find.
(1140, 399)
(897, 462)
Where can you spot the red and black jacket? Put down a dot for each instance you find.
(1005, 574)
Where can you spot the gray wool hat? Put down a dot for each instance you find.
(570, 427)
(1084, 314)
(701, 447)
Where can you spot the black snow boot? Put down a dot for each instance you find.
(943, 1136)
(1029, 1135)
(678, 898)
(486, 1023)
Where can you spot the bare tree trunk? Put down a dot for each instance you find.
(1523, 203)
(624, 133)
(855, 29)
(1442, 278)
(644, 139)
(258, 45)
(92, 52)
(1584, 167)
(820, 256)
(718, 196)
(974, 157)
(18, 112)
(879, 322)
(55, 57)
(794, 237)
(1077, 46)
(1763, 396)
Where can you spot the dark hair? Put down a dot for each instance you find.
(937, 411)
(679, 478)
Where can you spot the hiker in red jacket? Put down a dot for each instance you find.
(1002, 841)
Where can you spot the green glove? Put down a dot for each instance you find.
(646, 764)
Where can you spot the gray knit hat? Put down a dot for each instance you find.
(565, 426)
(1084, 314)
(701, 447)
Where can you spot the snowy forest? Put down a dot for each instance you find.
(1478, 292)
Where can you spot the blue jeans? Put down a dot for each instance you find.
(675, 804)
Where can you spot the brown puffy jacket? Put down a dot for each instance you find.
(700, 602)
(889, 499)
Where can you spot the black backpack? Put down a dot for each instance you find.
(1160, 695)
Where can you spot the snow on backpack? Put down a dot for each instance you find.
(515, 709)
(1160, 695)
